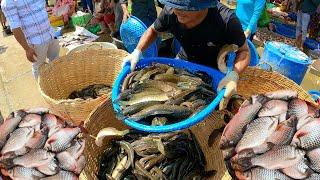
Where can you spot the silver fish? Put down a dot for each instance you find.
(21, 173)
(30, 120)
(298, 108)
(298, 171)
(34, 158)
(81, 164)
(18, 140)
(53, 123)
(61, 140)
(277, 158)
(259, 173)
(284, 133)
(49, 169)
(282, 95)
(308, 137)
(7, 127)
(67, 161)
(314, 176)
(39, 139)
(77, 148)
(257, 133)
(273, 108)
(62, 175)
(39, 111)
(235, 128)
(314, 157)
(304, 120)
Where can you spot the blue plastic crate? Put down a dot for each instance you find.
(131, 32)
(312, 44)
(214, 74)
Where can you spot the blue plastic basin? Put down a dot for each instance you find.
(214, 74)
(285, 59)
(254, 60)
(315, 94)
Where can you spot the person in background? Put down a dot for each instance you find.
(305, 9)
(87, 3)
(248, 12)
(31, 27)
(145, 10)
(203, 28)
(118, 17)
(66, 8)
(103, 15)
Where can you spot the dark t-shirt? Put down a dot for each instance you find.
(202, 43)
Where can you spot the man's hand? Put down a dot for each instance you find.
(133, 58)
(247, 33)
(31, 54)
(229, 82)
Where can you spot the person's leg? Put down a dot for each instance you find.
(305, 24)
(53, 50)
(90, 4)
(41, 51)
(84, 5)
(298, 29)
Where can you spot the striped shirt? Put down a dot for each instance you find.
(31, 16)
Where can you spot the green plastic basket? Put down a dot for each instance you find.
(80, 20)
(94, 28)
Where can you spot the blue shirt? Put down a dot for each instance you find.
(249, 11)
(31, 16)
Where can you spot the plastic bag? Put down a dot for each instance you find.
(264, 19)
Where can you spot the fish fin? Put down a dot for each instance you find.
(6, 164)
(301, 134)
(242, 164)
(82, 128)
(214, 135)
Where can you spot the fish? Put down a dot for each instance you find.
(159, 98)
(109, 131)
(163, 86)
(38, 110)
(284, 133)
(120, 168)
(38, 139)
(279, 157)
(314, 176)
(235, 128)
(298, 171)
(147, 75)
(308, 137)
(298, 108)
(21, 173)
(18, 140)
(126, 81)
(145, 92)
(53, 123)
(138, 107)
(159, 121)
(179, 98)
(76, 148)
(262, 128)
(284, 95)
(170, 70)
(30, 120)
(314, 158)
(61, 140)
(260, 173)
(179, 112)
(129, 151)
(282, 117)
(34, 158)
(304, 120)
(7, 127)
(49, 169)
(62, 175)
(273, 108)
(67, 161)
(228, 153)
(81, 164)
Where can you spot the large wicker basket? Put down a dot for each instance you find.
(93, 46)
(252, 81)
(74, 72)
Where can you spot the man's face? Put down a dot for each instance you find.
(185, 17)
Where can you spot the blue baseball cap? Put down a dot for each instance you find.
(190, 5)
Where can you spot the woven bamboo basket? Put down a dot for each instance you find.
(60, 78)
(93, 46)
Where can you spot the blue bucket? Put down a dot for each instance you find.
(254, 60)
(286, 30)
(315, 95)
(285, 59)
(214, 74)
(58, 31)
(131, 32)
(312, 44)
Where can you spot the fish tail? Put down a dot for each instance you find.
(82, 128)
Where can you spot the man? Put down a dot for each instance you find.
(145, 10)
(30, 25)
(202, 27)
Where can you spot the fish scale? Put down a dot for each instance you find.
(308, 137)
(314, 157)
(34, 158)
(259, 173)
(61, 140)
(62, 175)
(257, 133)
(298, 171)
(50, 168)
(273, 108)
(25, 173)
(298, 108)
(7, 127)
(17, 140)
(284, 133)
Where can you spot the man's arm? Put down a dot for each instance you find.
(11, 13)
(243, 59)
(147, 39)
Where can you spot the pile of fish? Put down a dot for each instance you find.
(138, 156)
(160, 92)
(273, 136)
(91, 92)
(35, 144)
(264, 35)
